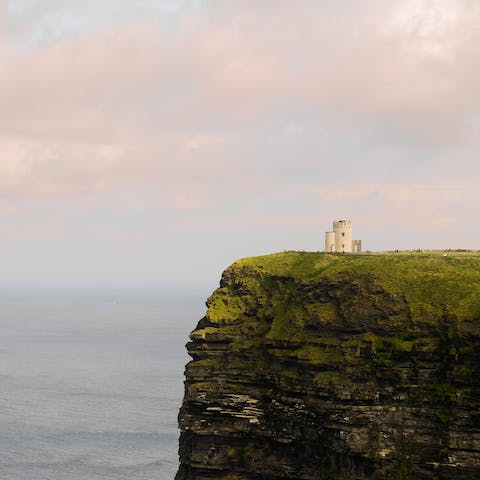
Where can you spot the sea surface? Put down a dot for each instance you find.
(91, 383)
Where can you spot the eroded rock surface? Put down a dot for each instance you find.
(314, 366)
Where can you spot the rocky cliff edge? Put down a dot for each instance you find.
(323, 366)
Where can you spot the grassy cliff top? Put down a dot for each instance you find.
(429, 281)
(305, 265)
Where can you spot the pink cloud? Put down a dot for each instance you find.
(133, 105)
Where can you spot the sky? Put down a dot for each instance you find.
(154, 142)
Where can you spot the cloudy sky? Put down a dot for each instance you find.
(153, 142)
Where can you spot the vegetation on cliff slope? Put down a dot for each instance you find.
(417, 290)
(432, 284)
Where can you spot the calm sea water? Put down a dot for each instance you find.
(91, 383)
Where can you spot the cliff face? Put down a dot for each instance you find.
(314, 366)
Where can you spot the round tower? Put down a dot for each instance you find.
(343, 235)
(330, 242)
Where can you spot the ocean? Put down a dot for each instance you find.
(91, 383)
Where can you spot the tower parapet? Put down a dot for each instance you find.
(342, 224)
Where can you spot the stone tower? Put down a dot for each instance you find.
(343, 235)
(341, 240)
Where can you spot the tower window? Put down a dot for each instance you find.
(343, 234)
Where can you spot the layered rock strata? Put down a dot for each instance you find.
(315, 366)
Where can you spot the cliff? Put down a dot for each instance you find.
(315, 366)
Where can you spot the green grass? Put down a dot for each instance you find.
(223, 307)
(431, 283)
